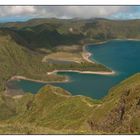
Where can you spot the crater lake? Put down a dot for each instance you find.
(122, 56)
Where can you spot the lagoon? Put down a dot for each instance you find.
(122, 56)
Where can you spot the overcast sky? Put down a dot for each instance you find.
(21, 13)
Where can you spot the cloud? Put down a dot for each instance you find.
(67, 11)
(16, 10)
(81, 11)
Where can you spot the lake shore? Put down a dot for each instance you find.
(17, 77)
(103, 42)
(84, 72)
(85, 54)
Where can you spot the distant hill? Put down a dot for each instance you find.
(49, 33)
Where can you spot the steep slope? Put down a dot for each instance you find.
(54, 111)
(45, 36)
(17, 60)
(49, 33)
(102, 29)
(120, 111)
(51, 110)
(7, 107)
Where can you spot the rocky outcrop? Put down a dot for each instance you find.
(120, 119)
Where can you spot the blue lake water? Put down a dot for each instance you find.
(121, 56)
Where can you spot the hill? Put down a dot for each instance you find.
(16, 59)
(55, 111)
(31, 48)
(50, 33)
(47, 38)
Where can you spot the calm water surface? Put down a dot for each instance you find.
(121, 56)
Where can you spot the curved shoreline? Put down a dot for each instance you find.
(119, 39)
(85, 55)
(18, 77)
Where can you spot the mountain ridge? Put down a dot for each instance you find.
(56, 111)
(53, 110)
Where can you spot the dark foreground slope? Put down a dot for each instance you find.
(54, 111)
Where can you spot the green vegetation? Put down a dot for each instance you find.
(55, 111)
(18, 59)
(31, 41)
(61, 56)
(50, 33)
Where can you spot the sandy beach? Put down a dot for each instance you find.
(17, 77)
(83, 72)
(86, 55)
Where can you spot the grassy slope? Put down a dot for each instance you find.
(120, 110)
(117, 113)
(53, 110)
(49, 33)
(17, 60)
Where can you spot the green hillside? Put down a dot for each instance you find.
(50, 33)
(31, 48)
(18, 59)
(55, 111)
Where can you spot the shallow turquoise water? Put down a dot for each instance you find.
(121, 56)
